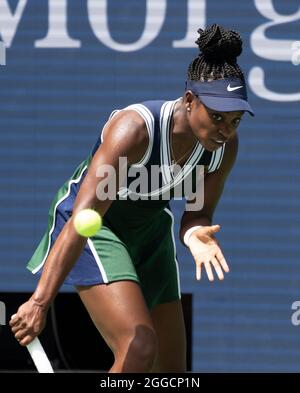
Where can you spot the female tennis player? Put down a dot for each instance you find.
(127, 274)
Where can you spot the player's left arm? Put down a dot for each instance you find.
(201, 241)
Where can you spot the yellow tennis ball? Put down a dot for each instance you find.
(87, 222)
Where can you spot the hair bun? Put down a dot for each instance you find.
(219, 45)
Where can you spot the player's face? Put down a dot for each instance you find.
(213, 128)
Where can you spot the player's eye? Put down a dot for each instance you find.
(217, 116)
(236, 122)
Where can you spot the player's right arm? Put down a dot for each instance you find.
(125, 136)
(202, 243)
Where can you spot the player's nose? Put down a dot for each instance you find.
(224, 133)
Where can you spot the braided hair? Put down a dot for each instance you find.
(219, 49)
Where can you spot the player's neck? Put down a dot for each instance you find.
(182, 139)
(180, 128)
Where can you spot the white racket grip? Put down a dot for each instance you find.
(39, 357)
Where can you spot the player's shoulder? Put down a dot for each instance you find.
(126, 131)
(126, 123)
(128, 118)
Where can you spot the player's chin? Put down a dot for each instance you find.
(211, 145)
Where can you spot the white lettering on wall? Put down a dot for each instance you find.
(257, 84)
(196, 17)
(9, 21)
(270, 49)
(57, 35)
(295, 58)
(2, 53)
(155, 17)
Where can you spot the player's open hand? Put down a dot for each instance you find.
(28, 322)
(206, 251)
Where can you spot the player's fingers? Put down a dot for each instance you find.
(15, 328)
(198, 271)
(26, 340)
(13, 320)
(18, 326)
(218, 269)
(209, 271)
(213, 229)
(20, 334)
(222, 261)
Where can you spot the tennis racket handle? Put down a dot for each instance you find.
(39, 357)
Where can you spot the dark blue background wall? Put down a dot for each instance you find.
(54, 101)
